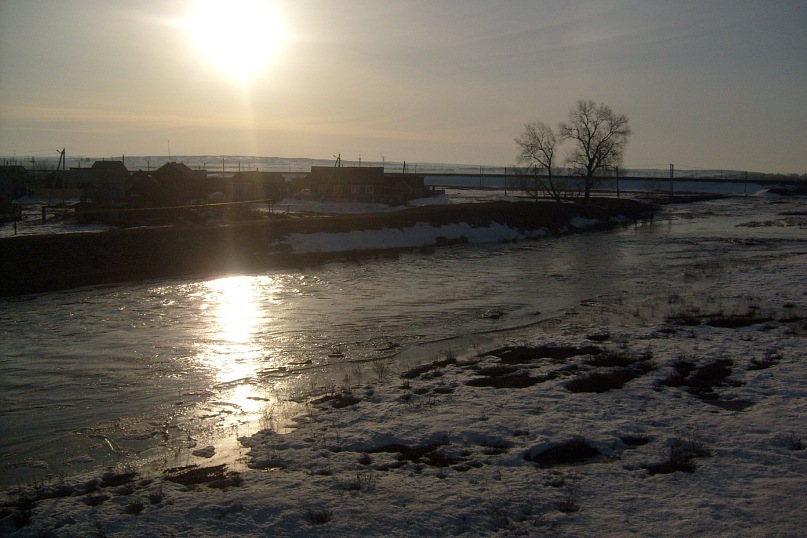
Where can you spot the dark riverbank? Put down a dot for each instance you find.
(33, 264)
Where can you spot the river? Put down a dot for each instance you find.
(151, 371)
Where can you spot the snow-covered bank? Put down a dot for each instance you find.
(419, 235)
(705, 436)
(518, 221)
(145, 253)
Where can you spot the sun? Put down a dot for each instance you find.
(239, 37)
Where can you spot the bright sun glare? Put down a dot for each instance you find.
(240, 37)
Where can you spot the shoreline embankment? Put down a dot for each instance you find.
(43, 263)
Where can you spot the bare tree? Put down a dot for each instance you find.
(536, 160)
(600, 137)
(537, 145)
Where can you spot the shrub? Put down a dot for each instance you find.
(526, 354)
(156, 496)
(112, 479)
(792, 441)
(233, 507)
(771, 359)
(519, 380)
(678, 377)
(604, 381)
(615, 359)
(735, 321)
(634, 440)
(709, 376)
(492, 447)
(684, 318)
(499, 512)
(95, 500)
(680, 456)
(422, 369)
(380, 368)
(364, 480)
(134, 507)
(230, 480)
(572, 451)
(568, 504)
(319, 517)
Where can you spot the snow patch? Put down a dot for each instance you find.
(582, 222)
(419, 235)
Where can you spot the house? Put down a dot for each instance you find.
(74, 179)
(173, 184)
(106, 182)
(146, 191)
(179, 183)
(111, 177)
(15, 179)
(6, 196)
(103, 182)
(256, 185)
(364, 184)
(13, 185)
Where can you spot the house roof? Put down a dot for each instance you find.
(109, 165)
(346, 174)
(174, 170)
(109, 170)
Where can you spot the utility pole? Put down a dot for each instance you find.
(672, 171)
(64, 173)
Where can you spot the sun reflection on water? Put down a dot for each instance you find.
(235, 307)
(231, 350)
(239, 323)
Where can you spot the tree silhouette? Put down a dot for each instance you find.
(536, 160)
(599, 137)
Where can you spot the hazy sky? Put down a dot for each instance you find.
(705, 83)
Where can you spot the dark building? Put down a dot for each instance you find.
(104, 181)
(256, 185)
(364, 184)
(6, 197)
(181, 184)
(14, 179)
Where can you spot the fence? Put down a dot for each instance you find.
(42, 218)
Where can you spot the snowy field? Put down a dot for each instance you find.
(681, 416)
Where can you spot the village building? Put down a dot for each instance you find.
(255, 185)
(180, 183)
(248, 186)
(109, 179)
(13, 184)
(104, 181)
(364, 184)
(15, 179)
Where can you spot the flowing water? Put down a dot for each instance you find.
(147, 371)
